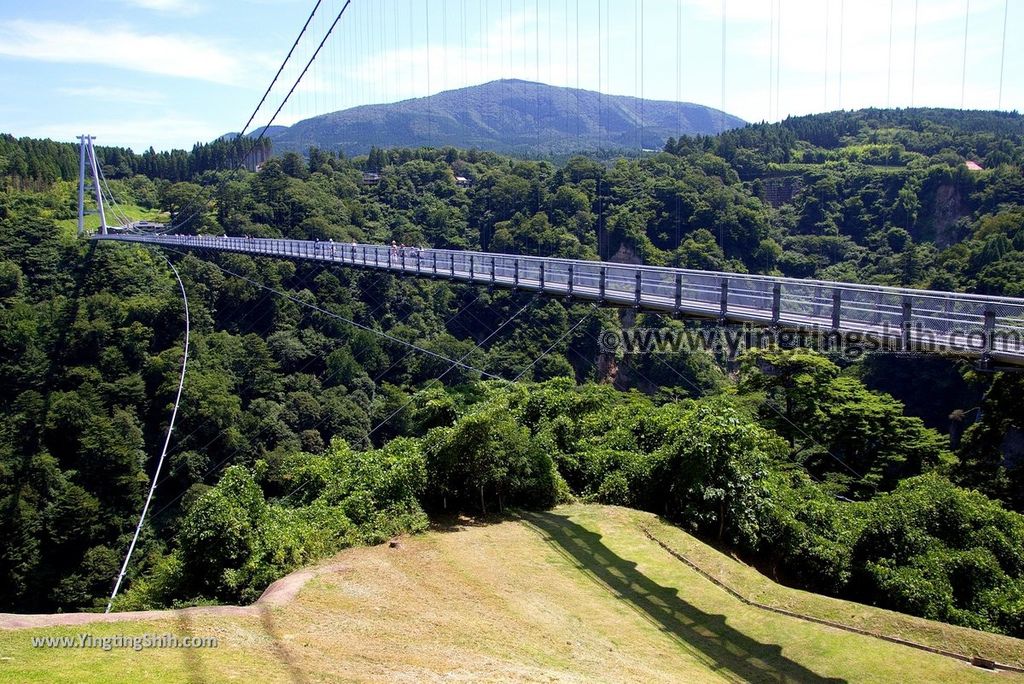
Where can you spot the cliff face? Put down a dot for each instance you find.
(1012, 447)
(625, 255)
(780, 190)
(947, 210)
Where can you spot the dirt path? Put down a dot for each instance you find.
(573, 595)
(281, 592)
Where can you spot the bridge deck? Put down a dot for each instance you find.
(974, 325)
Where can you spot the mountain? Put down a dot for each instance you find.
(511, 116)
(253, 132)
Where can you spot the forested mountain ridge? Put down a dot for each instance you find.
(887, 196)
(808, 470)
(36, 164)
(509, 116)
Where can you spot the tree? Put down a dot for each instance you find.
(836, 426)
(990, 456)
(711, 471)
(293, 164)
(222, 533)
(377, 160)
(487, 455)
(932, 549)
(177, 198)
(794, 380)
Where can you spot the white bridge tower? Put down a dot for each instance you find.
(86, 151)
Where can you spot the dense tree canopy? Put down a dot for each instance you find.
(302, 434)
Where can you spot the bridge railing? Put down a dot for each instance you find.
(977, 324)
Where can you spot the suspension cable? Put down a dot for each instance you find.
(279, 70)
(167, 442)
(913, 59)
(842, 33)
(767, 402)
(429, 382)
(888, 82)
(367, 328)
(725, 52)
(304, 70)
(234, 313)
(771, 60)
(778, 62)
(1002, 54)
(260, 433)
(456, 363)
(115, 208)
(409, 353)
(828, 27)
(963, 63)
(590, 311)
(291, 91)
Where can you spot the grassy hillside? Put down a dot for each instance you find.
(575, 594)
(92, 221)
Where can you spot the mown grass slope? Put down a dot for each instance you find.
(575, 594)
(69, 227)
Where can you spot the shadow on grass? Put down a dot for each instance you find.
(280, 648)
(194, 668)
(720, 646)
(457, 522)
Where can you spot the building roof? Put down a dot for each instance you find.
(973, 166)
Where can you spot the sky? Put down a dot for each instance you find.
(169, 73)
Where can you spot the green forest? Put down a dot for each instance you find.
(893, 481)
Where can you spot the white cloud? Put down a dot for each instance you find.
(431, 68)
(186, 7)
(284, 119)
(161, 132)
(113, 94)
(120, 47)
(814, 35)
(809, 12)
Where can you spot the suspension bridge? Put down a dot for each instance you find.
(984, 327)
(989, 329)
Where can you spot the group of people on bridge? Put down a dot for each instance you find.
(401, 250)
(330, 247)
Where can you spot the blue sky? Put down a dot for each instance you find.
(167, 73)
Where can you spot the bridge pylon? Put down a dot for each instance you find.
(86, 152)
